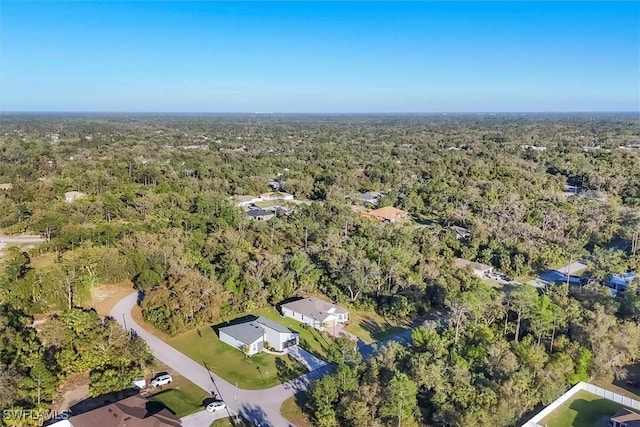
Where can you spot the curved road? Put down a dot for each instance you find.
(262, 407)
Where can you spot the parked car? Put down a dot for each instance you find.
(216, 406)
(506, 277)
(162, 378)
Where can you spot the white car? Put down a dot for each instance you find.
(161, 379)
(216, 406)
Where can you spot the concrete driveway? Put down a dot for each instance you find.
(307, 359)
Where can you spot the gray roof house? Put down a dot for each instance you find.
(372, 197)
(260, 215)
(315, 312)
(479, 269)
(461, 232)
(256, 334)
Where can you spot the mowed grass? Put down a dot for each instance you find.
(371, 327)
(181, 396)
(310, 338)
(229, 422)
(296, 411)
(252, 373)
(584, 409)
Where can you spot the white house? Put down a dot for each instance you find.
(315, 312)
(479, 269)
(70, 196)
(276, 196)
(371, 197)
(255, 333)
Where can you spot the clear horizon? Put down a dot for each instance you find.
(320, 58)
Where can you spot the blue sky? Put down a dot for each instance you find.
(319, 57)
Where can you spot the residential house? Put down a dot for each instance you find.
(625, 418)
(71, 196)
(315, 312)
(130, 412)
(276, 196)
(276, 185)
(252, 335)
(619, 282)
(371, 197)
(257, 214)
(479, 269)
(6, 187)
(386, 214)
(461, 232)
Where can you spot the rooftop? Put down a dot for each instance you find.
(463, 263)
(388, 213)
(315, 308)
(129, 412)
(246, 333)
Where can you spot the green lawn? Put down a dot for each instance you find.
(310, 339)
(181, 396)
(371, 327)
(228, 422)
(295, 410)
(253, 373)
(584, 409)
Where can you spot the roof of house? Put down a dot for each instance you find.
(247, 333)
(370, 195)
(129, 412)
(272, 325)
(388, 213)
(244, 199)
(254, 213)
(250, 331)
(74, 194)
(463, 263)
(627, 416)
(7, 186)
(315, 308)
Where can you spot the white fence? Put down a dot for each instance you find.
(606, 394)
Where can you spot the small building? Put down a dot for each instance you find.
(276, 196)
(479, 269)
(386, 214)
(461, 232)
(251, 336)
(371, 197)
(258, 214)
(130, 412)
(625, 418)
(619, 282)
(6, 186)
(71, 196)
(315, 312)
(276, 185)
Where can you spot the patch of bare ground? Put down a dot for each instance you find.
(104, 297)
(72, 391)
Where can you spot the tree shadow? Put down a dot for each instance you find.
(255, 415)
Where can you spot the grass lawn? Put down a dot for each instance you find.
(294, 410)
(310, 339)
(181, 396)
(228, 422)
(582, 410)
(371, 327)
(253, 373)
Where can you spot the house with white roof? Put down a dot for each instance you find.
(315, 312)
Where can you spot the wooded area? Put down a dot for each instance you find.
(157, 213)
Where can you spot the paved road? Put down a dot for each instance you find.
(23, 240)
(262, 407)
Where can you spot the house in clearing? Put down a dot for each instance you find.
(371, 197)
(260, 214)
(255, 333)
(386, 214)
(315, 312)
(6, 187)
(479, 269)
(625, 418)
(71, 196)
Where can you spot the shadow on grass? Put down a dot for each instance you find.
(589, 412)
(154, 406)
